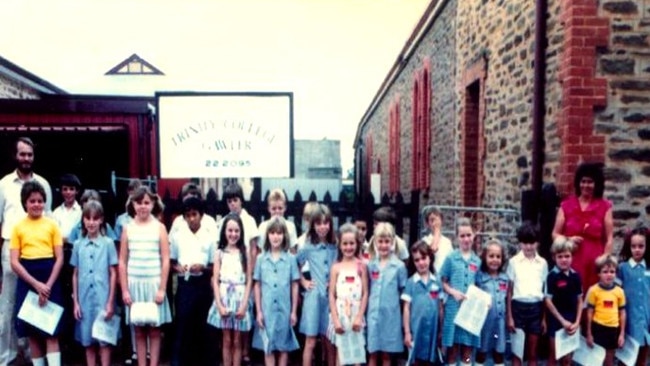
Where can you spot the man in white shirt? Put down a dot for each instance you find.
(11, 212)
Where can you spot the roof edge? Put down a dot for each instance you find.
(16, 72)
(430, 14)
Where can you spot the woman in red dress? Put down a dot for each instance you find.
(586, 218)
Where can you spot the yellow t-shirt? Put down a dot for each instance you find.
(606, 304)
(36, 238)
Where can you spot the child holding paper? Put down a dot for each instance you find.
(606, 310)
(94, 259)
(457, 274)
(633, 273)
(493, 280)
(563, 297)
(36, 252)
(527, 273)
(276, 278)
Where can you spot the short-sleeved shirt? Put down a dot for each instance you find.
(606, 302)
(189, 248)
(67, 218)
(36, 238)
(11, 207)
(207, 223)
(528, 277)
(635, 280)
(564, 289)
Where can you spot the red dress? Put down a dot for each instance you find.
(590, 225)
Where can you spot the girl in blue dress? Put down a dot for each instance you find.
(493, 280)
(94, 259)
(143, 268)
(276, 278)
(422, 307)
(457, 273)
(231, 283)
(320, 253)
(635, 280)
(387, 280)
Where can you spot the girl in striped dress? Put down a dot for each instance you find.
(457, 274)
(144, 267)
(232, 286)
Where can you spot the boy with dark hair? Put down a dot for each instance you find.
(189, 190)
(191, 253)
(68, 214)
(527, 272)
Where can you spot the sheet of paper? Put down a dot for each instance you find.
(589, 356)
(106, 330)
(628, 353)
(473, 310)
(566, 343)
(517, 340)
(351, 348)
(45, 317)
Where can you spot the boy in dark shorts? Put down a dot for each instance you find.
(527, 272)
(563, 296)
(606, 309)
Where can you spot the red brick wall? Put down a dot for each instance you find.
(472, 134)
(582, 91)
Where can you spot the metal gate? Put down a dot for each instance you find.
(497, 223)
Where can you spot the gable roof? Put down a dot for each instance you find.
(134, 65)
(17, 73)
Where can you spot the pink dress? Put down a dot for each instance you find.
(590, 225)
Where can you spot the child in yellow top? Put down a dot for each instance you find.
(606, 309)
(36, 252)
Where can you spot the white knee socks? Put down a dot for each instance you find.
(53, 359)
(38, 361)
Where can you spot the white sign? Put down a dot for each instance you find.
(628, 353)
(587, 356)
(216, 135)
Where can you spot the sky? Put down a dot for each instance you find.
(332, 54)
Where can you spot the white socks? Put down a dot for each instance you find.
(53, 359)
(38, 361)
(466, 363)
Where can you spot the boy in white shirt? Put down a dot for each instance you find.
(68, 214)
(191, 253)
(527, 272)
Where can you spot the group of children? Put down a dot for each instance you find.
(238, 277)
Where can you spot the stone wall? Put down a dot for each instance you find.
(10, 89)
(501, 34)
(625, 122)
(597, 101)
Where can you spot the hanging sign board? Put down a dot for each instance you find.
(217, 135)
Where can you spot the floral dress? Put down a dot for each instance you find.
(232, 287)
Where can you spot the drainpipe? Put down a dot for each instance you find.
(539, 109)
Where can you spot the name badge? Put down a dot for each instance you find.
(472, 267)
(503, 286)
(608, 304)
(349, 279)
(374, 275)
(433, 294)
(561, 283)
